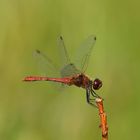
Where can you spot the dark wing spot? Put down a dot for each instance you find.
(61, 37)
(71, 64)
(38, 51)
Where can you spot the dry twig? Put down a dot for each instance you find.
(103, 118)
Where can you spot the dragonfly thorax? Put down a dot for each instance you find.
(84, 81)
(80, 80)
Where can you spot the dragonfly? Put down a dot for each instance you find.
(73, 73)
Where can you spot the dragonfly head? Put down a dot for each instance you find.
(97, 84)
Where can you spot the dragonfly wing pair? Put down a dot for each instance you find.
(81, 57)
(66, 68)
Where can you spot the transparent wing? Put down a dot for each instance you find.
(45, 64)
(67, 68)
(63, 54)
(82, 55)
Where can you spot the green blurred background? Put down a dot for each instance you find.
(37, 111)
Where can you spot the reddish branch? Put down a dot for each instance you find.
(103, 118)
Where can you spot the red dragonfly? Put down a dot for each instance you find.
(72, 74)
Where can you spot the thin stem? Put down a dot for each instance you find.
(103, 118)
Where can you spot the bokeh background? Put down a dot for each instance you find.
(37, 111)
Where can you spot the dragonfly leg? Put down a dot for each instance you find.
(89, 99)
(94, 94)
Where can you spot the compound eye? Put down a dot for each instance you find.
(97, 84)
